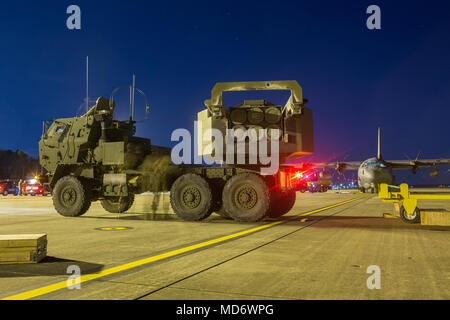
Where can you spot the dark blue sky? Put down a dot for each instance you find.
(356, 79)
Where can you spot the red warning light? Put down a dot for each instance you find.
(298, 175)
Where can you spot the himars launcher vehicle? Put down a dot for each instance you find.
(94, 157)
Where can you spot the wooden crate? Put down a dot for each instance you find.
(435, 217)
(22, 248)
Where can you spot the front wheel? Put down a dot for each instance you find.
(118, 204)
(414, 218)
(71, 197)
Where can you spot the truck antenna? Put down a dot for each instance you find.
(87, 84)
(132, 98)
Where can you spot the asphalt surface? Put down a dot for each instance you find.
(321, 255)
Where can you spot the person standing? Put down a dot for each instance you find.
(20, 187)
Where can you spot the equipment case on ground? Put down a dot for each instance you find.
(22, 248)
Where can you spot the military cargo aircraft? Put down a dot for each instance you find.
(374, 171)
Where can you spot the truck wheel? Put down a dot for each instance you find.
(118, 204)
(246, 197)
(414, 218)
(71, 198)
(191, 197)
(282, 203)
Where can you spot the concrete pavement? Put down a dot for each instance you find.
(324, 255)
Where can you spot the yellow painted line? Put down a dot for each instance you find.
(63, 284)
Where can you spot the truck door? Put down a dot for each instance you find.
(56, 141)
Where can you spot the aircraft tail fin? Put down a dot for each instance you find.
(379, 144)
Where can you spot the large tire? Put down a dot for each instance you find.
(191, 197)
(118, 204)
(246, 197)
(71, 197)
(282, 203)
(414, 218)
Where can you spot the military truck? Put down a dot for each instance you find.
(315, 180)
(94, 157)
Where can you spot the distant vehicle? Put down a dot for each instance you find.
(32, 187)
(314, 181)
(8, 187)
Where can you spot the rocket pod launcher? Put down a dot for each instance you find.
(293, 120)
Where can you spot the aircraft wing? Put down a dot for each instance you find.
(338, 165)
(416, 164)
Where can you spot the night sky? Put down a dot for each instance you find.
(356, 79)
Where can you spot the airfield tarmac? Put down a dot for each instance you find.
(319, 250)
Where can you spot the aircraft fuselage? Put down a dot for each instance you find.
(372, 172)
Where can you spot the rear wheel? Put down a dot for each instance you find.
(414, 218)
(246, 197)
(118, 204)
(71, 197)
(282, 203)
(191, 197)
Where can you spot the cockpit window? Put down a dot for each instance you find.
(375, 164)
(59, 129)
